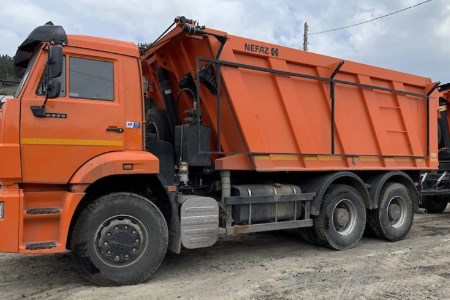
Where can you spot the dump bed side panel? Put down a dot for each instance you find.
(284, 121)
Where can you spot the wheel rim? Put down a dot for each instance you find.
(344, 217)
(397, 211)
(120, 241)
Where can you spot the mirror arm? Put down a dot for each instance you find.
(48, 77)
(46, 98)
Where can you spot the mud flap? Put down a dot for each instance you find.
(199, 221)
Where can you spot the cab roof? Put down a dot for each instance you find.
(103, 44)
(56, 35)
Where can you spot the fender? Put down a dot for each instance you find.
(320, 185)
(10, 168)
(378, 181)
(116, 163)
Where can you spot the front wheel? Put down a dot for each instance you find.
(342, 219)
(119, 239)
(394, 216)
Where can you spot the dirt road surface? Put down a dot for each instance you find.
(277, 265)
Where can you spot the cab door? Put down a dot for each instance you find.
(84, 122)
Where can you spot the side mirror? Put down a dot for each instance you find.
(55, 62)
(54, 88)
(54, 69)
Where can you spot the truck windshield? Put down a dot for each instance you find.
(27, 73)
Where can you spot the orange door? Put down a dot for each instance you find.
(84, 122)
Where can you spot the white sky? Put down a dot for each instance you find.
(414, 41)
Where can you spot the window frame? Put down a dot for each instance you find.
(25, 78)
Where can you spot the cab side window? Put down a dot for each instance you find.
(91, 79)
(40, 91)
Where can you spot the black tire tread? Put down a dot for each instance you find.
(321, 224)
(309, 235)
(435, 207)
(374, 221)
(79, 241)
(159, 118)
(373, 224)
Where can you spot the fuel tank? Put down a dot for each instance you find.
(265, 212)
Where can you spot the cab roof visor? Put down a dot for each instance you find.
(48, 33)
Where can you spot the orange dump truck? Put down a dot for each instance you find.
(241, 135)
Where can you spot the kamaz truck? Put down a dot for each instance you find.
(241, 136)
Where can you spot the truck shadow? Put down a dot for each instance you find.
(234, 252)
(38, 276)
(57, 270)
(57, 273)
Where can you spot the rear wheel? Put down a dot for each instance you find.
(309, 235)
(394, 216)
(435, 204)
(119, 239)
(342, 219)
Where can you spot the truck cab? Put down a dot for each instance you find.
(64, 131)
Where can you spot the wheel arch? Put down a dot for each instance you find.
(150, 186)
(115, 163)
(320, 184)
(378, 181)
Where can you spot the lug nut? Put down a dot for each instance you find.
(134, 249)
(116, 228)
(137, 240)
(108, 252)
(126, 227)
(133, 232)
(108, 234)
(126, 256)
(117, 257)
(105, 243)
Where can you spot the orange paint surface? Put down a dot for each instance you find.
(9, 226)
(269, 122)
(288, 120)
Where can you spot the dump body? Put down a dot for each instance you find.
(277, 111)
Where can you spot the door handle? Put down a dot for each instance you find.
(116, 129)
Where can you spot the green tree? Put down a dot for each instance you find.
(7, 67)
(7, 73)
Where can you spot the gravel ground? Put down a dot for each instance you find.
(277, 265)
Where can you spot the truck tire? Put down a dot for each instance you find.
(435, 204)
(394, 216)
(309, 235)
(119, 239)
(342, 218)
(157, 123)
